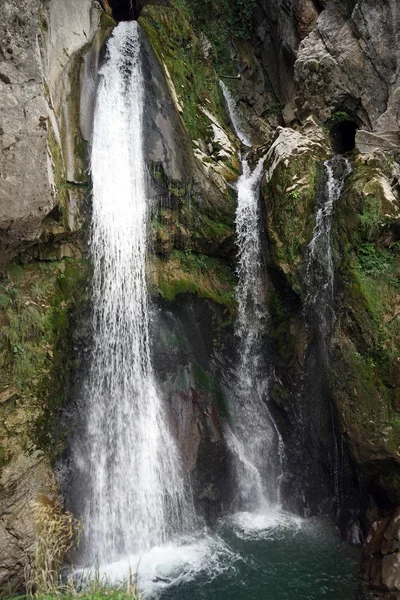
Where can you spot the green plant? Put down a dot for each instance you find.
(371, 217)
(374, 261)
(340, 117)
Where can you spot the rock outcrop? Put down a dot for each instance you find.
(42, 148)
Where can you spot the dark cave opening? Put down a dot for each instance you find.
(125, 10)
(343, 136)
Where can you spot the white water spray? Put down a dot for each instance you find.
(254, 439)
(137, 496)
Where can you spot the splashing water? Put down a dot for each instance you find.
(253, 438)
(137, 496)
(319, 265)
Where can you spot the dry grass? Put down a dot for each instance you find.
(57, 533)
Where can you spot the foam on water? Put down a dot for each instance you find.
(180, 561)
(270, 525)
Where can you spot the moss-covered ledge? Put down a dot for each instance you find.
(188, 272)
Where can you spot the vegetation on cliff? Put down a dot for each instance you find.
(37, 301)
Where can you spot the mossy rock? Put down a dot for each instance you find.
(290, 198)
(366, 346)
(188, 272)
(36, 304)
(194, 79)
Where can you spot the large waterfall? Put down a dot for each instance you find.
(136, 491)
(253, 436)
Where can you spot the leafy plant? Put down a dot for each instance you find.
(340, 117)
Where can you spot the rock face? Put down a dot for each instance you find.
(381, 565)
(26, 192)
(21, 483)
(322, 68)
(348, 63)
(39, 66)
(192, 359)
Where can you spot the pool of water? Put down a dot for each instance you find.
(248, 557)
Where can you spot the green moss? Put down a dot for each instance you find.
(221, 21)
(188, 272)
(189, 222)
(290, 201)
(368, 347)
(207, 382)
(371, 217)
(35, 348)
(106, 21)
(194, 77)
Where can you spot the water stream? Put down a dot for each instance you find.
(319, 265)
(138, 514)
(257, 457)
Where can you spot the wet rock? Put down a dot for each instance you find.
(391, 572)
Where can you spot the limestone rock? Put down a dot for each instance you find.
(367, 142)
(37, 54)
(350, 62)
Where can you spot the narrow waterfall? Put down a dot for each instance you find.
(136, 493)
(253, 438)
(319, 281)
(319, 265)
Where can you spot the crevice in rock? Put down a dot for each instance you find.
(5, 78)
(125, 10)
(343, 136)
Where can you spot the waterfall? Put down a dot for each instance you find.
(253, 437)
(319, 265)
(136, 493)
(234, 115)
(319, 281)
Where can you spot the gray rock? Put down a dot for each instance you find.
(367, 142)
(20, 482)
(350, 62)
(39, 51)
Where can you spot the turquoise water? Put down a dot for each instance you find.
(250, 557)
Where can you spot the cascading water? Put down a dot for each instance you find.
(319, 266)
(319, 280)
(253, 438)
(136, 492)
(137, 495)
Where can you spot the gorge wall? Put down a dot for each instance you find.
(316, 78)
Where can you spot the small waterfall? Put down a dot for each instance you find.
(235, 116)
(136, 493)
(319, 265)
(253, 438)
(319, 280)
